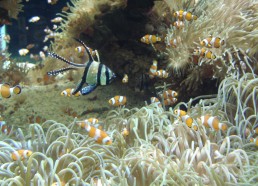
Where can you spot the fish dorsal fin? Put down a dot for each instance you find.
(86, 48)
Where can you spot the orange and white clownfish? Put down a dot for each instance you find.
(169, 94)
(186, 119)
(68, 92)
(150, 39)
(125, 132)
(5, 129)
(173, 42)
(153, 69)
(203, 52)
(99, 136)
(81, 52)
(170, 101)
(90, 121)
(183, 15)
(6, 91)
(179, 24)
(161, 74)
(254, 140)
(213, 122)
(117, 101)
(256, 129)
(212, 42)
(21, 154)
(125, 79)
(156, 100)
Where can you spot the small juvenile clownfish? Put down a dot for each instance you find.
(81, 52)
(254, 140)
(117, 101)
(5, 129)
(173, 42)
(68, 92)
(23, 51)
(90, 121)
(183, 15)
(21, 154)
(170, 101)
(125, 132)
(99, 136)
(150, 39)
(125, 79)
(34, 19)
(179, 24)
(186, 119)
(153, 69)
(213, 122)
(169, 94)
(6, 91)
(57, 20)
(204, 53)
(161, 74)
(156, 100)
(212, 42)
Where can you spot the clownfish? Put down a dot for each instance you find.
(150, 39)
(23, 52)
(173, 42)
(58, 184)
(125, 132)
(186, 119)
(81, 52)
(68, 92)
(179, 24)
(169, 94)
(117, 101)
(34, 19)
(213, 122)
(6, 91)
(156, 100)
(183, 15)
(161, 74)
(204, 53)
(254, 140)
(212, 42)
(98, 135)
(90, 121)
(125, 79)
(170, 101)
(5, 129)
(256, 129)
(153, 69)
(21, 154)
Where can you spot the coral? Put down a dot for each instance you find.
(13, 6)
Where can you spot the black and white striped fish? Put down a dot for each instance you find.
(95, 73)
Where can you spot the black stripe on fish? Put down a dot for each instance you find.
(86, 48)
(85, 73)
(54, 55)
(107, 75)
(99, 74)
(56, 72)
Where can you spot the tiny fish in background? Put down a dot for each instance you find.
(21, 154)
(23, 51)
(150, 39)
(6, 91)
(57, 20)
(34, 19)
(125, 79)
(30, 46)
(186, 119)
(99, 136)
(254, 140)
(117, 101)
(213, 122)
(42, 55)
(45, 48)
(125, 132)
(169, 94)
(35, 119)
(203, 52)
(68, 92)
(179, 24)
(153, 69)
(52, 2)
(156, 100)
(5, 129)
(172, 42)
(81, 52)
(183, 15)
(161, 74)
(212, 42)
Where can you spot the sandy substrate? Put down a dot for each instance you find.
(45, 101)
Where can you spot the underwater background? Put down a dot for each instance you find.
(128, 92)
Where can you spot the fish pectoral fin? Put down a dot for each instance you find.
(88, 89)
